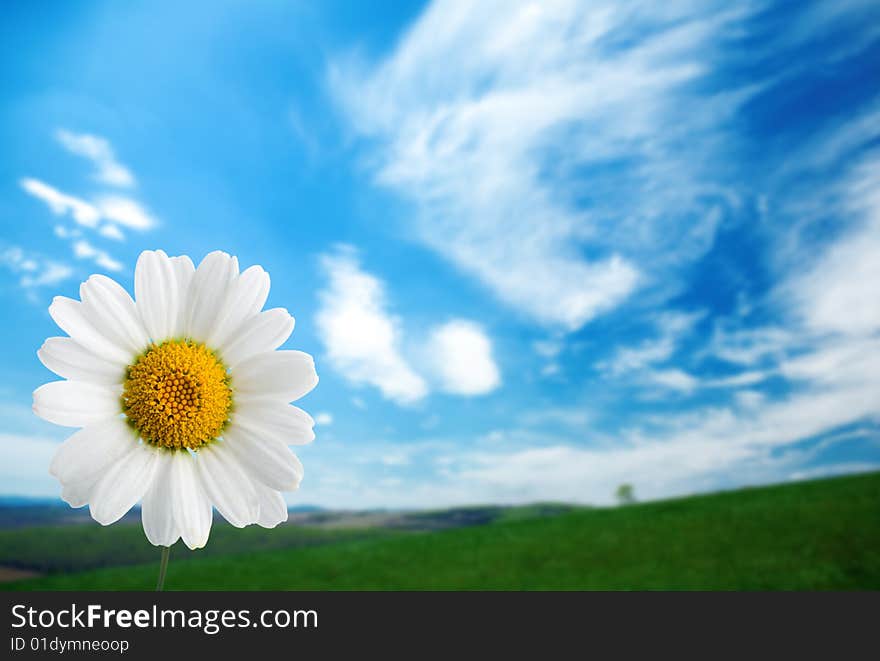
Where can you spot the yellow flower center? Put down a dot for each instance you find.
(177, 395)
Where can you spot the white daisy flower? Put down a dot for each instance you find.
(183, 400)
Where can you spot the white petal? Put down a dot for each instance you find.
(190, 505)
(89, 452)
(227, 485)
(157, 294)
(156, 512)
(70, 317)
(286, 375)
(68, 359)
(273, 509)
(265, 459)
(77, 494)
(76, 404)
(211, 286)
(84, 458)
(246, 299)
(275, 419)
(109, 308)
(261, 333)
(183, 272)
(123, 484)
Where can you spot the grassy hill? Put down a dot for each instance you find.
(812, 535)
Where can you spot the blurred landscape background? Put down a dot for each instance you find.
(818, 535)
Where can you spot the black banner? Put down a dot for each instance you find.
(134, 625)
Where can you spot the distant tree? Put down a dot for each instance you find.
(625, 494)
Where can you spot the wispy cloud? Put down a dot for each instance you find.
(606, 171)
(111, 232)
(562, 155)
(749, 345)
(573, 417)
(100, 152)
(689, 452)
(752, 441)
(324, 419)
(571, 155)
(670, 327)
(672, 378)
(61, 204)
(114, 209)
(839, 292)
(103, 214)
(85, 215)
(50, 274)
(85, 250)
(34, 270)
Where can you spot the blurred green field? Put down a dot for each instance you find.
(819, 535)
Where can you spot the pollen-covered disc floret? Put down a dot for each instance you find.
(177, 395)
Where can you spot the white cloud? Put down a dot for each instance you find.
(396, 459)
(475, 119)
(324, 419)
(828, 295)
(550, 369)
(361, 337)
(748, 346)
(63, 232)
(125, 211)
(689, 452)
(460, 354)
(830, 358)
(50, 274)
(756, 441)
(629, 359)
(114, 210)
(672, 327)
(61, 203)
(749, 399)
(845, 468)
(99, 151)
(111, 231)
(106, 261)
(673, 378)
(837, 362)
(575, 417)
(34, 270)
(501, 133)
(839, 292)
(548, 348)
(14, 257)
(119, 210)
(365, 341)
(85, 250)
(748, 378)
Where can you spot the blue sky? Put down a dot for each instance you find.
(537, 250)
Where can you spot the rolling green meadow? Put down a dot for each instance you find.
(817, 535)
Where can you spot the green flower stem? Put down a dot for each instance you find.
(163, 568)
